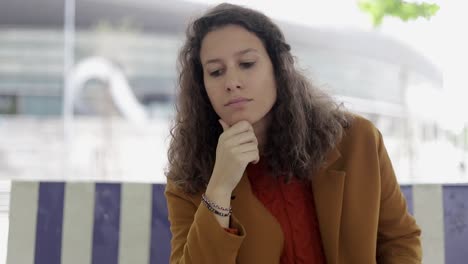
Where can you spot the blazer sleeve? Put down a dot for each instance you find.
(398, 239)
(197, 237)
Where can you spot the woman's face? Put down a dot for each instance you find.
(238, 75)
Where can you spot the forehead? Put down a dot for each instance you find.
(226, 41)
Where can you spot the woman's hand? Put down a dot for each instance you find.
(237, 147)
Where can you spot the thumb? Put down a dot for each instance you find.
(223, 124)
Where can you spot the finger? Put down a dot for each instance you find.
(256, 161)
(242, 138)
(223, 124)
(237, 128)
(244, 148)
(252, 157)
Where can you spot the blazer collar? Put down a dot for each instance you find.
(328, 186)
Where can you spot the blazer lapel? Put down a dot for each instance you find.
(327, 186)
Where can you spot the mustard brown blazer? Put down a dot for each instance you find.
(362, 213)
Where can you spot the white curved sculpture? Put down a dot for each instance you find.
(103, 69)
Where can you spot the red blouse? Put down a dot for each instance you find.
(293, 206)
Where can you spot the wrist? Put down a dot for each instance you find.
(217, 189)
(216, 192)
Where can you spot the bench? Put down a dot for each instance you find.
(110, 223)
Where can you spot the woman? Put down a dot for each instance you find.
(264, 168)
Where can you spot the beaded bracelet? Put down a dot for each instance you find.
(212, 204)
(214, 210)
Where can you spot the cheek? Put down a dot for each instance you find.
(267, 87)
(214, 98)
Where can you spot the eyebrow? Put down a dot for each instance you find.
(242, 52)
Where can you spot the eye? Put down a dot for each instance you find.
(216, 73)
(247, 65)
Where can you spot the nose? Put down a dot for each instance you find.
(232, 81)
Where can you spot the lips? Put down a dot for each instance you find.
(237, 100)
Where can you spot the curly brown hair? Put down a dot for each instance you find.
(308, 123)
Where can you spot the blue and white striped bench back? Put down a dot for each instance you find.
(442, 213)
(110, 223)
(99, 223)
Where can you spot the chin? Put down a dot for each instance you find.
(237, 119)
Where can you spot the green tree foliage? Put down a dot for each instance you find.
(378, 9)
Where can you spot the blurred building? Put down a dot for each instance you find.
(367, 71)
(143, 37)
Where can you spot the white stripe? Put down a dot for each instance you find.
(135, 223)
(23, 215)
(78, 219)
(429, 214)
